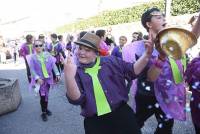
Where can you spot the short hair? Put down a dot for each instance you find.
(54, 36)
(123, 37)
(146, 17)
(101, 33)
(36, 42)
(60, 37)
(29, 37)
(41, 36)
(146, 37)
(81, 34)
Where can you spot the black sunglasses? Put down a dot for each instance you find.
(39, 45)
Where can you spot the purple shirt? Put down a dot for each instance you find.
(104, 46)
(130, 53)
(170, 96)
(117, 52)
(36, 72)
(56, 50)
(112, 77)
(24, 50)
(36, 69)
(192, 77)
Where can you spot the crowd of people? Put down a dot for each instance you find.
(100, 73)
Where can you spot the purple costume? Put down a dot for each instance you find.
(24, 50)
(36, 72)
(56, 50)
(171, 96)
(112, 77)
(117, 52)
(192, 77)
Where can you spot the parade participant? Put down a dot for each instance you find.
(15, 50)
(136, 36)
(56, 50)
(162, 93)
(41, 65)
(98, 86)
(192, 74)
(104, 49)
(192, 77)
(69, 43)
(27, 49)
(61, 41)
(41, 37)
(117, 51)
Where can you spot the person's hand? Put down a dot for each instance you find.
(40, 81)
(69, 66)
(149, 45)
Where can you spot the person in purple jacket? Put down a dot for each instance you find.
(42, 38)
(192, 77)
(41, 65)
(163, 94)
(56, 50)
(117, 51)
(27, 49)
(98, 85)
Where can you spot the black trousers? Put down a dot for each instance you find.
(43, 104)
(120, 121)
(28, 71)
(146, 106)
(15, 57)
(197, 129)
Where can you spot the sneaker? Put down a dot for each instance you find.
(44, 116)
(49, 113)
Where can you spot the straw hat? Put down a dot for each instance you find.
(89, 40)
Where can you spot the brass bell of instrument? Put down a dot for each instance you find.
(174, 42)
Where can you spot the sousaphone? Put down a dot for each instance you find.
(174, 42)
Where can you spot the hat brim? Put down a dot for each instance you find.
(85, 44)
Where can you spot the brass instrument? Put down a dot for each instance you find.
(174, 42)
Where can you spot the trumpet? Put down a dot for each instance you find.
(174, 42)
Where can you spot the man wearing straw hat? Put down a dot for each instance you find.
(98, 86)
(162, 94)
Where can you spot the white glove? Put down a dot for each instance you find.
(37, 89)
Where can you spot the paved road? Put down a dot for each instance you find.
(66, 118)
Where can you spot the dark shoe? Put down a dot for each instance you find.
(49, 113)
(44, 116)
